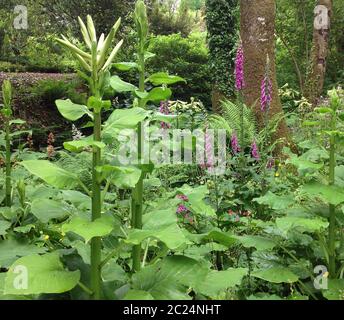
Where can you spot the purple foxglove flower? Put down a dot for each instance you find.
(209, 150)
(235, 144)
(265, 94)
(271, 163)
(182, 197)
(239, 68)
(164, 109)
(254, 151)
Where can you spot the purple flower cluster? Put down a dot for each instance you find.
(265, 94)
(254, 151)
(271, 163)
(235, 144)
(239, 68)
(164, 109)
(182, 197)
(182, 209)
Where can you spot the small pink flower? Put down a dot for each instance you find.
(164, 109)
(239, 68)
(182, 197)
(182, 209)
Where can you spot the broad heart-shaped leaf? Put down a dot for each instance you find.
(51, 174)
(45, 274)
(257, 242)
(274, 201)
(335, 290)
(122, 177)
(196, 202)
(125, 66)
(168, 279)
(125, 118)
(328, 193)
(121, 86)
(46, 209)
(168, 118)
(160, 78)
(276, 275)
(215, 235)
(89, 229)
(138, 295)
(162, 225)
(10, 250)
(217, 281)
(304, 164)
(4, 225)
(80, 145)
(302, 224)
(158, 94)
(72, 111)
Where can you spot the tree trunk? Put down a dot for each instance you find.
(257, 24)
(321, 33)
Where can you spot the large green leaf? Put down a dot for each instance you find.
(274, 201)
(121, 86)
(10, 250)
(4, 226)
(328, 193)
(45, 275)
(89, 229)
(196, 200)
(125, 118)
(122, 177)
(72, 111)
(138, 295)
(276, 275)
(257, 242)
(80, 145)
(161, 225)
(217, 281)
(160, 78)
(158, 94)
(51, 173)
(168, 279)
(46, 209)
(125, 66)
(302, 224)
(335, 290)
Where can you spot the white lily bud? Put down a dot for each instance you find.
(112, 55)
(74, 48)
(85, 33)
(91, 29)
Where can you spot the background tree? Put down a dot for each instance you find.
(257, 24)
(320, 49)
(222, 39)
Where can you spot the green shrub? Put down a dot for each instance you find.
(186, 57)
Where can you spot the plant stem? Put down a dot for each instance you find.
(137, 198)
(332, 211)
(8, 200)
(96, 212)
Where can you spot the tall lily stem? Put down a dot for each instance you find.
(8, 199)
(137, 198)
(332, 209)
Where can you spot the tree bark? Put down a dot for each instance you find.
(257, 24)
(321, 34)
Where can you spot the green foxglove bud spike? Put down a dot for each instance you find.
(91, 29)
(85, 33)
(74, 49)
(112, 55)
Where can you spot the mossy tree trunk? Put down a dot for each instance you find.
(257, 23)
(320, 48)
(222, 39)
